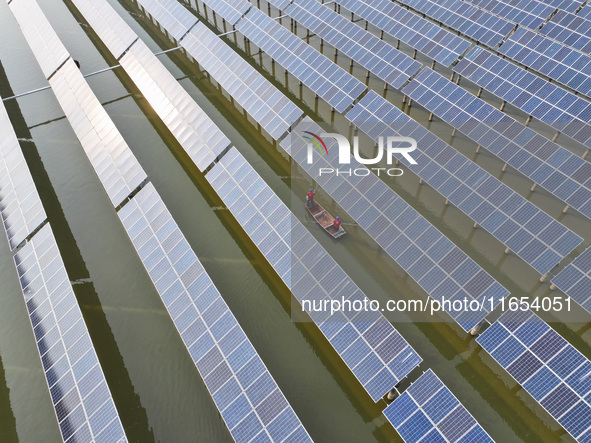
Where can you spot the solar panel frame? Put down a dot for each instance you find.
(575, 280)
(570, 29)
(529, 13)
(80, 395)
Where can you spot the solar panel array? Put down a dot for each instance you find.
(410, 28)
(554, 373)
(467, 19)
(331, 82)
(81, 398)
(567, 5)
(230, 10)
(529, 13)
(561, 63)
(374, 351)
(442, 269)
(585, 12)
(547, 102)
(533, 235)
(575, 280)
(20, 205)
(377, 56)
(560, 172)
(250, 402)
(427, 411)
(172, 15)
(569, 29)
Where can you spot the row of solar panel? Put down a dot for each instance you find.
(533, 235)
(569, 29)
(529, 13)
(575, 280)
(560, 172)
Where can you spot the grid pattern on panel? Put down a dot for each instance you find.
(376, 353)
(377, 56)
(81, 398)
(467, 19)
(331, 82)
(263, 101)
(410, 28)
(230, 10)
(528, 13)
(566, 5)
(195, 131)
(549, 368)
(442, 269)
(569, 29)
(542, 54)
(428, 411)
(116, 166)
(250, 402)
(585, 12)
(533, 235)
(47, 47)
(560, 172)
(575, 280)
(20, 205)
(173, 16)
(551, 104)
(280, 4)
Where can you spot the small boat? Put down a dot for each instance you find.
(325, 220)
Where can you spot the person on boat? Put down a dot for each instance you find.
(337, 223)
(310, 201)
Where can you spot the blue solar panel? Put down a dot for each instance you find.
(575, 280)
(83, 403)
(249, 400)
(548, 367)
(410, 28)
(430, 258)
(325, 78)
(371, 347)
(555, 168)
(529, 13)
(428, 411)
(547, 102)
(585, 12)
(377, 56)
(532, 234)
(561, 63)
(567, 5)
(480, 25)
(569, 29)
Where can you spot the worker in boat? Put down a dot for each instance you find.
(310, 201)
(337, 223)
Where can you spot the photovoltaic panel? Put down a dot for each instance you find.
(20, 205)
(569, 29)
(545, 101)
(376, 353)
(560, 172)
(427, 411)
(585, 12)
(442, 269)
(230, 10)
(172, 15)
(81, 398)
(410, 28)
(331, 82)
(467, 19)
(533, 235)
(529, 13)
(542, 54)
(549, 368)
(250, 402)
(567, 5)
(377, 56)
(575, 280)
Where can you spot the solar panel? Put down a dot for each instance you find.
(20, 205)
(81, 398)
(567, 5)
(172, 15)
(549, 368)
(585, 12)
(533, 235)
(569, 29)
(48, 49)
(547, 102)
(374, 351)
(442, 269)
(250, 402)
(428, 410)
(476, 23)
(560, 172)
(377, 56)
(408, 27)
(529, 13)
(575, 280)
(325, 78)
(561, 63)
(230, 10)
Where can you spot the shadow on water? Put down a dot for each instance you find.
(133, 415)
(8, 432)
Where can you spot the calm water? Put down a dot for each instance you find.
(157, 389)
